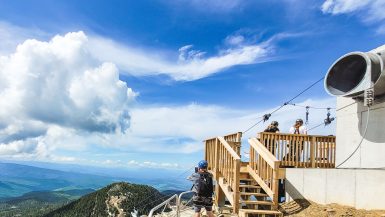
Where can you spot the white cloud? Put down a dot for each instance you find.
(187, 65)
(181, 129)
(234, 39)
(370, 11)
(191, 64)
(57, 84)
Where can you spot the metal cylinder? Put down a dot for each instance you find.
(355, 72)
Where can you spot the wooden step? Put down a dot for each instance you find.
(246, 179)
(254, 194)
(249, 186)
(257, 202)
(243, 170)
(258, 211)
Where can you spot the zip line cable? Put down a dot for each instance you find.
(346, 106)
(310, 107)
(253, 126)
(323, 123)
(362, 139)
(267, 116)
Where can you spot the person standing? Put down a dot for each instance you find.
(298, 128)
(297, 148)
(203, 189)
(272, 128)
(271, 144)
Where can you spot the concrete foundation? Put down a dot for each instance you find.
(359, 188)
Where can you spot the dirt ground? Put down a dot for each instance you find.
(303, 208)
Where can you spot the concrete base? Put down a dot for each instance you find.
(359, 188)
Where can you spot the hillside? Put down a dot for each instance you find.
(38, 203)
(118, 199)
(16, 180)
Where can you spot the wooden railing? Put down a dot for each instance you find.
(210, 153)
(234, 141)
(225, 164)
(264, 168)
(301, 150)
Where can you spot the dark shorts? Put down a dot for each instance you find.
(202, 202)
(197, 208)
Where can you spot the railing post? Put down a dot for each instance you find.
(239, 136)
(275, 185)
(312, 151)
(216, 169)
(236, 186)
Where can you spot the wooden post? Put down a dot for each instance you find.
(239, 136)
(275, 186)
(216, 160)
(312, 151)
(219, 196)
(205, 149)
(235, 186)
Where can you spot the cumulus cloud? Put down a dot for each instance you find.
(370, 11)
(58, 83)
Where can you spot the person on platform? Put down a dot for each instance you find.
(272, 128)
(203, 189)
(298, 128)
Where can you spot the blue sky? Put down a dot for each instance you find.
(142, 83)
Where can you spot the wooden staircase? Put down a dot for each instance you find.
(238, 184)
(253, 201)
(251, 188)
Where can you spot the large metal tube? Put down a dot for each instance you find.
(355, 72)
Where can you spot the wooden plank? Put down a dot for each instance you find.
(261, 212)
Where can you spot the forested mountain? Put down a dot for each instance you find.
(39, 203)
(118, 199)
(16, 180)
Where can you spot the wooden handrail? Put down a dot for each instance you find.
(234, 141)
(225, 163)
(235, 137)
(228, 147)
(264, 168)
(269, 158)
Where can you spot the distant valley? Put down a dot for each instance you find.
(34, 191)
